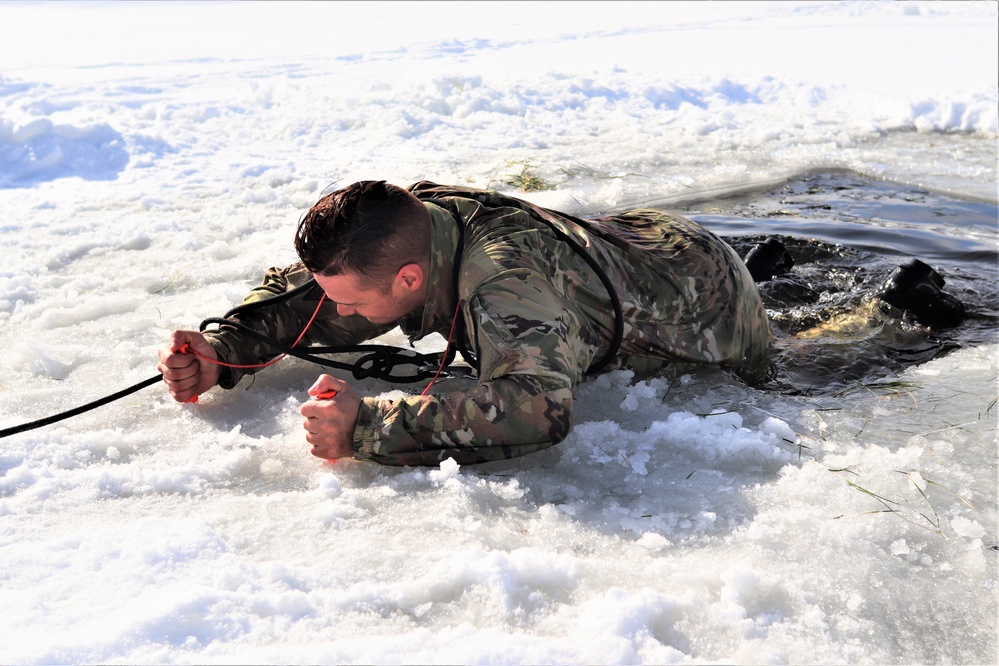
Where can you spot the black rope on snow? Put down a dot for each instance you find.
(24, 427)
(378, 362)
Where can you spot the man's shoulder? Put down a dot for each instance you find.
(424, 187)
(426, 190)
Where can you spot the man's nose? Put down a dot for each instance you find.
(344, 310)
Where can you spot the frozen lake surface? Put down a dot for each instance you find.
(154, 159)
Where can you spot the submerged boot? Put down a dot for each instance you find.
(768, 259)
(918, 289)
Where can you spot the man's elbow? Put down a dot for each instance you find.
(556, 415)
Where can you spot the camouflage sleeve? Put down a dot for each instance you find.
(530, 360)
(284, 320)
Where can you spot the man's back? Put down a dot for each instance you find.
(686, 297)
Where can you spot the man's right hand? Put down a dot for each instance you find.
(186, 375)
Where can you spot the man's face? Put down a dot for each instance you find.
(377, 305)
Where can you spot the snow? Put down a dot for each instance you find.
(154, 158)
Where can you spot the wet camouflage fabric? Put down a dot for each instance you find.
(537, 317)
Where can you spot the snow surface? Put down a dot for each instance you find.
(153, 160)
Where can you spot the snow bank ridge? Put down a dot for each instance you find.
(41, 150)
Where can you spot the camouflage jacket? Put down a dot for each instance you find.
(537, 317)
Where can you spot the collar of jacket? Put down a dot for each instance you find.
(438, 313)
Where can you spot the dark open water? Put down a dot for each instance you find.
(847, 233)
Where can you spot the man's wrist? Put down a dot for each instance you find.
(365, 429)
(226, 379)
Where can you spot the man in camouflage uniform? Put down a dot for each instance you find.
(537, 314)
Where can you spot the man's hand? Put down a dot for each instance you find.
(186, 375)
(330, 420)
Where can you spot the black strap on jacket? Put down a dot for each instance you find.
(443, 198)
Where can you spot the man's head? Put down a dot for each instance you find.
(368, 244)
(370, 229)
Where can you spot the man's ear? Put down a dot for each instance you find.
(410, 277)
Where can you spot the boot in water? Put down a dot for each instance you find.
(768, 259)
(918, 289)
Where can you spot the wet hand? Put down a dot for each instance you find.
(186, 376)
(330, 418)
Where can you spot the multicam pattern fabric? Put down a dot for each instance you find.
(537, 317)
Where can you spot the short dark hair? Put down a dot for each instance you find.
(369, 228)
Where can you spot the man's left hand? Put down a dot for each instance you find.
(329, 421)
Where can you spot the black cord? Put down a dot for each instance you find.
(379, 362)
(442, 195)
(552, 222)
(615, 344)
(24, 427)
